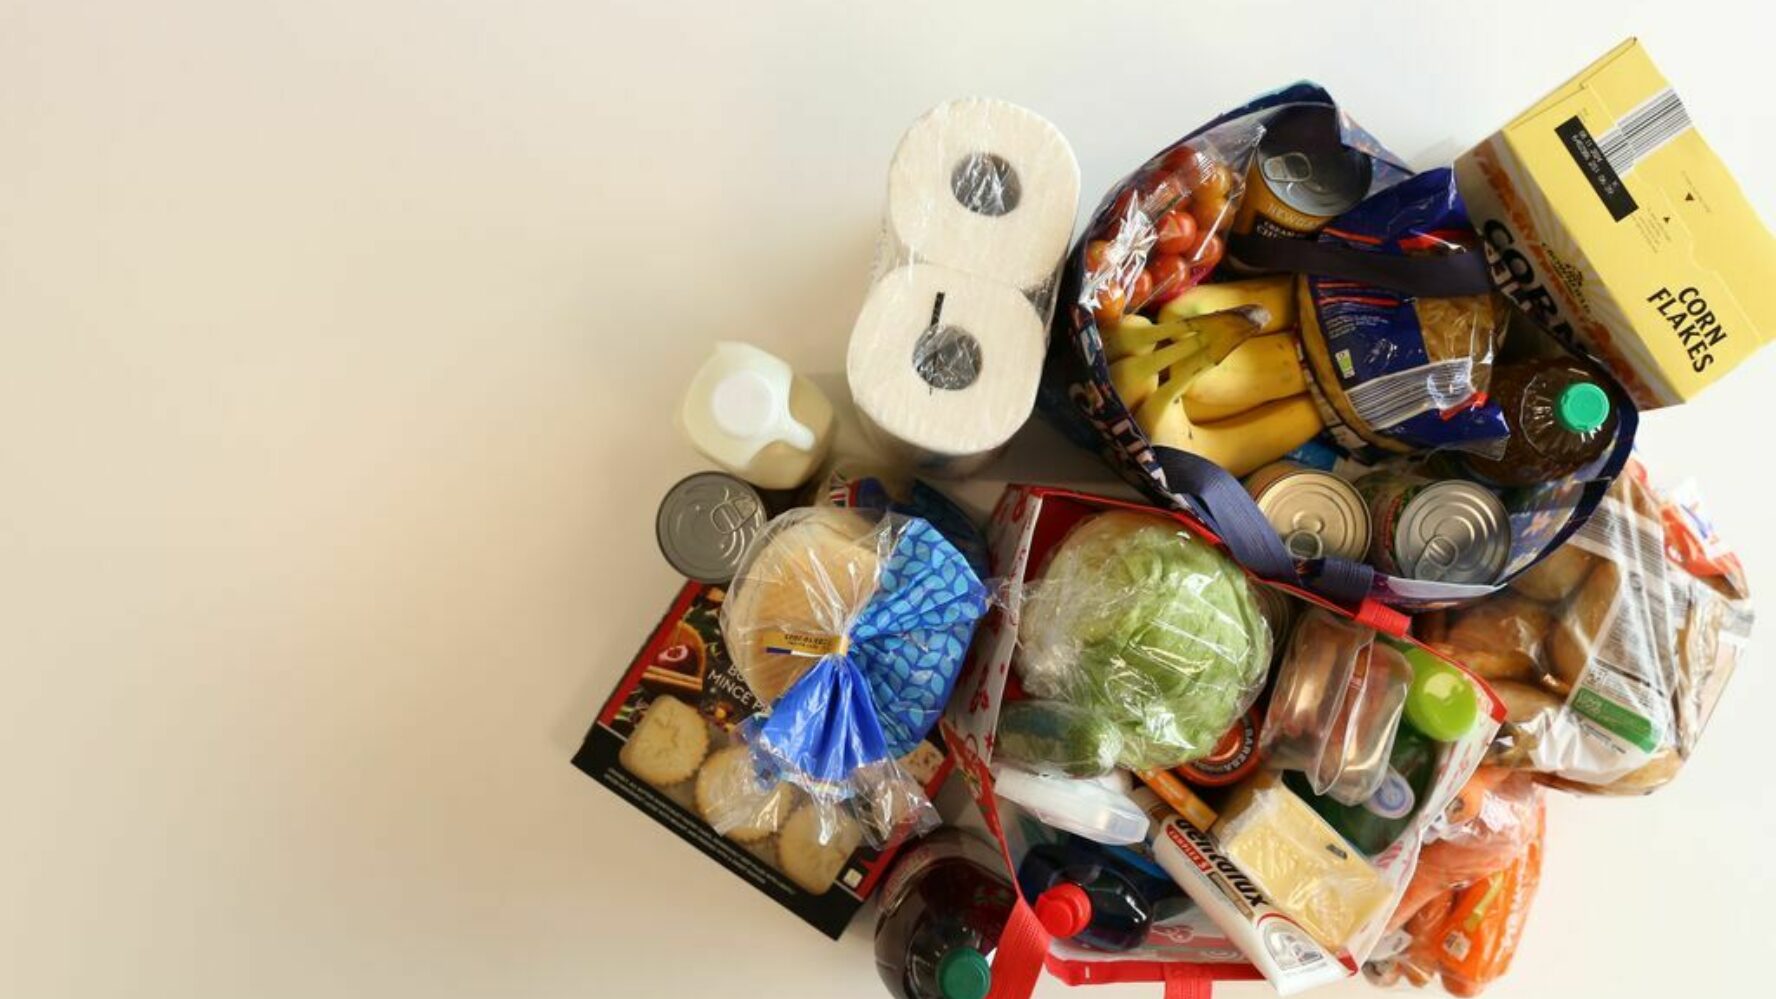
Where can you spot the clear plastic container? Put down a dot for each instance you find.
(1098, 809)
(748, 412)
(942, 910)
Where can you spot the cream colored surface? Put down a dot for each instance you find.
(338, 347)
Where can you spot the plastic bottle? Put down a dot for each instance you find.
(1561, 416)
(1081, 895)
(752, 415)
(942, 910)
(1373, 826)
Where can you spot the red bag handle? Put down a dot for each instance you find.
(1017, 962)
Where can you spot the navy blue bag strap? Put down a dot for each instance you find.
(1443, 275)
(1230, 512)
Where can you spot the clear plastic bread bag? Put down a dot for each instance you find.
(1149, 627)
(850, 626)
(1610, 654)
(1337, 703)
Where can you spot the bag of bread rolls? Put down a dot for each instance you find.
(1610, 654)
(850, 627)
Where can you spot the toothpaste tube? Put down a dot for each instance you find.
(1287, 955)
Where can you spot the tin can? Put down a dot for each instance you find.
(1278, 609)
(1232, 759)
(1447, 531)
(1302, 175)
(1316, 513)
(706, 522)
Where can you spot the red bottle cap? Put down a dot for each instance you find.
(1064, 910)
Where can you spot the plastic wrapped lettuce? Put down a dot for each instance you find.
(1150, 627)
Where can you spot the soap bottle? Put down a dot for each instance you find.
(752, 415)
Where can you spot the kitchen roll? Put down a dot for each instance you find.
(985, 187)
(943, 366)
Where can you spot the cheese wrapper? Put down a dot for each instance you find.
(1300, 863)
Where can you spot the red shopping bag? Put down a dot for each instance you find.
(1027, 522)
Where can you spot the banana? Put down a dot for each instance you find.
(1214, 350)
(1128, 338)
(1136, 335)
(1260, 370)
(1242, 444)
(1135, 377)
(1275, 294)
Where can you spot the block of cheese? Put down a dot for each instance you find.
(1300, 862)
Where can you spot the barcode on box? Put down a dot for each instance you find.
(1643, 130)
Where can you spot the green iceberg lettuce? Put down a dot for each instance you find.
(1151, 628)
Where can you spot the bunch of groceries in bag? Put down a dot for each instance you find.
(1395, 576)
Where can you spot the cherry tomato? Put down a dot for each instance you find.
(1111, 302)
(1096, 252)
(1209, 253)
(1207, 209)
(1141, 292)
(1176, 231)
(1216, 180)
(1191, 165)
(1170, 276)
(1164, 193)
(1119, 209)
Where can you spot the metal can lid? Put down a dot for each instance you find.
(1453, 532)
(1317, 514)
(1305, 163)
(705, 524)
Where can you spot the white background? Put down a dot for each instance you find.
(338, 342)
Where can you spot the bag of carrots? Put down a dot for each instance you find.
(1464, 910)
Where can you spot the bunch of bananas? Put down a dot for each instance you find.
(1219, 374)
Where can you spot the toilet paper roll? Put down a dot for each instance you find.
(985, 187)
(943, 366)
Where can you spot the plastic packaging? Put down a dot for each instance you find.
(1142, 623)
(1338, 698)
(1058, 739)
(1468, 903)
(1300, 862)
(942, 909)
(1611, 654)
(850, 627)
(1378, 822)
(749, 413)
(1082, 895)
(1098, 809)
(947, 349)
(1397, 372)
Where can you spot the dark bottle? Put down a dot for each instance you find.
(1561, 416)
(1373, 826)
(1081, 895)
(942, 910)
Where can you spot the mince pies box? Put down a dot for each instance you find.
(663, 737)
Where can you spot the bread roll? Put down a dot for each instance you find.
(1581, 625)
(811, 572)
(1557, 576)
(1523, 702)
(1500, 638)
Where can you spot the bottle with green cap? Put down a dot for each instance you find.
(1562, 416)
(943, 907)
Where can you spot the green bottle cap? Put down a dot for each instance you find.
(1583, 407)
(1441, 702)
(962, 973)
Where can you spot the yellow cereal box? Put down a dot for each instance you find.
(1608, 218)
